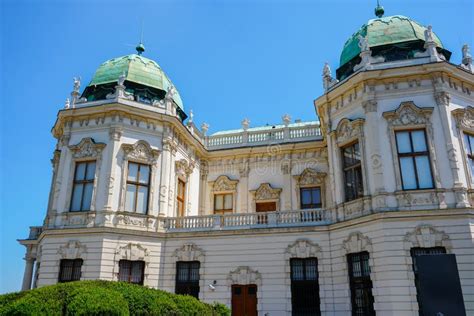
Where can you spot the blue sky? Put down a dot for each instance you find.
(229, 59)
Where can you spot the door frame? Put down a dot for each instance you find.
(244, 286)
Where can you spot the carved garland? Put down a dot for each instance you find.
(140, 152)
(409, 116)
(86, 150)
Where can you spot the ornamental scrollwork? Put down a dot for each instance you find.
(87, 148)
(357, 242)
(348, 130)
(310, 176)
(141, 151)
(266, 192)
(189, 252)
(408, 114)
(73, 249)
(132, 252)
(244, 275)
(303, 248)
(426, 236)
(183, 167)
(223, 183)
(464, 118)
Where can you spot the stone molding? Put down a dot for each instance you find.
(223, 184)
(303, 248)
(349, 130)
(141, 151)
(265, 192)
(244, 275)
(132, 252)
(427, 236)
(189, 252)
(357, 242)
(87, 148)
(408, 114)
(73, 249)
(310, 177)
(464, 118)
(184, 168)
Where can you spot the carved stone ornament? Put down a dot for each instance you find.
(223, 183)
(87, 148)
(357, 242)
(303, 248)
(465, 118)
(426, 236)
(266, 192)
(132, 252)
(73, 249)
(244, 275)
(369, 106)
(348, 130)
(189, 252)
(442, 98)
(408, 114)
(141, 151)
(310, 177)
(183, 167)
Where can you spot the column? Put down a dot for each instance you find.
(115, 134)
(28, 274)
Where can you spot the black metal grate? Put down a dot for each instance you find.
(304, 287)
(187, 278)
(131, 271)
(361, 285)
(70, 270)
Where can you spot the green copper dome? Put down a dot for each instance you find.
(384, 31)
(140, 74)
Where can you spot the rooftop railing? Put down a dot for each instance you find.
(277, 134)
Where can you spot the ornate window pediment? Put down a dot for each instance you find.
(348, 130)
(223, 183)
(73, 249)
(87, 148)
(426, 236)
(465, 118)
(266, 192)
(189, 252)
(244, 275)
(310, 177)
(184, 168)
(303, 248)
(141, 151)
(408, 114)
(132, 252)
(357, 242)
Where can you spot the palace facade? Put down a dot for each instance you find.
(367, 210)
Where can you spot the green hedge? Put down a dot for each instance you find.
(104, 298)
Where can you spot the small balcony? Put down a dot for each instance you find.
(314, 217)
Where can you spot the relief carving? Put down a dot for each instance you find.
(141, 151)
(408, 114)
(244, 275)
(223, 183)
(132, 252)
(426, 236)
(73, 249)
(303, 248)
(348, 130)
(266, 192)
(189, 252)
(357, 242)
(87, 148)
(310, 176)
(464, 118)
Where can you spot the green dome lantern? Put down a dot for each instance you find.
(144, 79)
(394, 37)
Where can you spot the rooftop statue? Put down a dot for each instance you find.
(363, 43)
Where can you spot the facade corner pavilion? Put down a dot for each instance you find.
(365, 209)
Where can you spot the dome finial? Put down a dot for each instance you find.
(379, 11)
(140, 47)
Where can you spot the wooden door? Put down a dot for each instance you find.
(263, 207)
(244, 300)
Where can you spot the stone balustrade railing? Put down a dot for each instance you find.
(278, 134)
(248, 220)
(35, 231)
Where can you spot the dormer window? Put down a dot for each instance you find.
(414, 159)
(138, 182)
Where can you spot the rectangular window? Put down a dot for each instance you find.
(131, 271)
(180, 197)
(70, 270)
(187, 278)
(360, 284)
(223, 203)
(469, 144)
(138, 183)
(353, 185)
(83, 186)
(415, 252)
(304, 287)
(310, 198)
(414, 160)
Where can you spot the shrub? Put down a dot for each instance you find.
(104, 298)
(94, 301)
